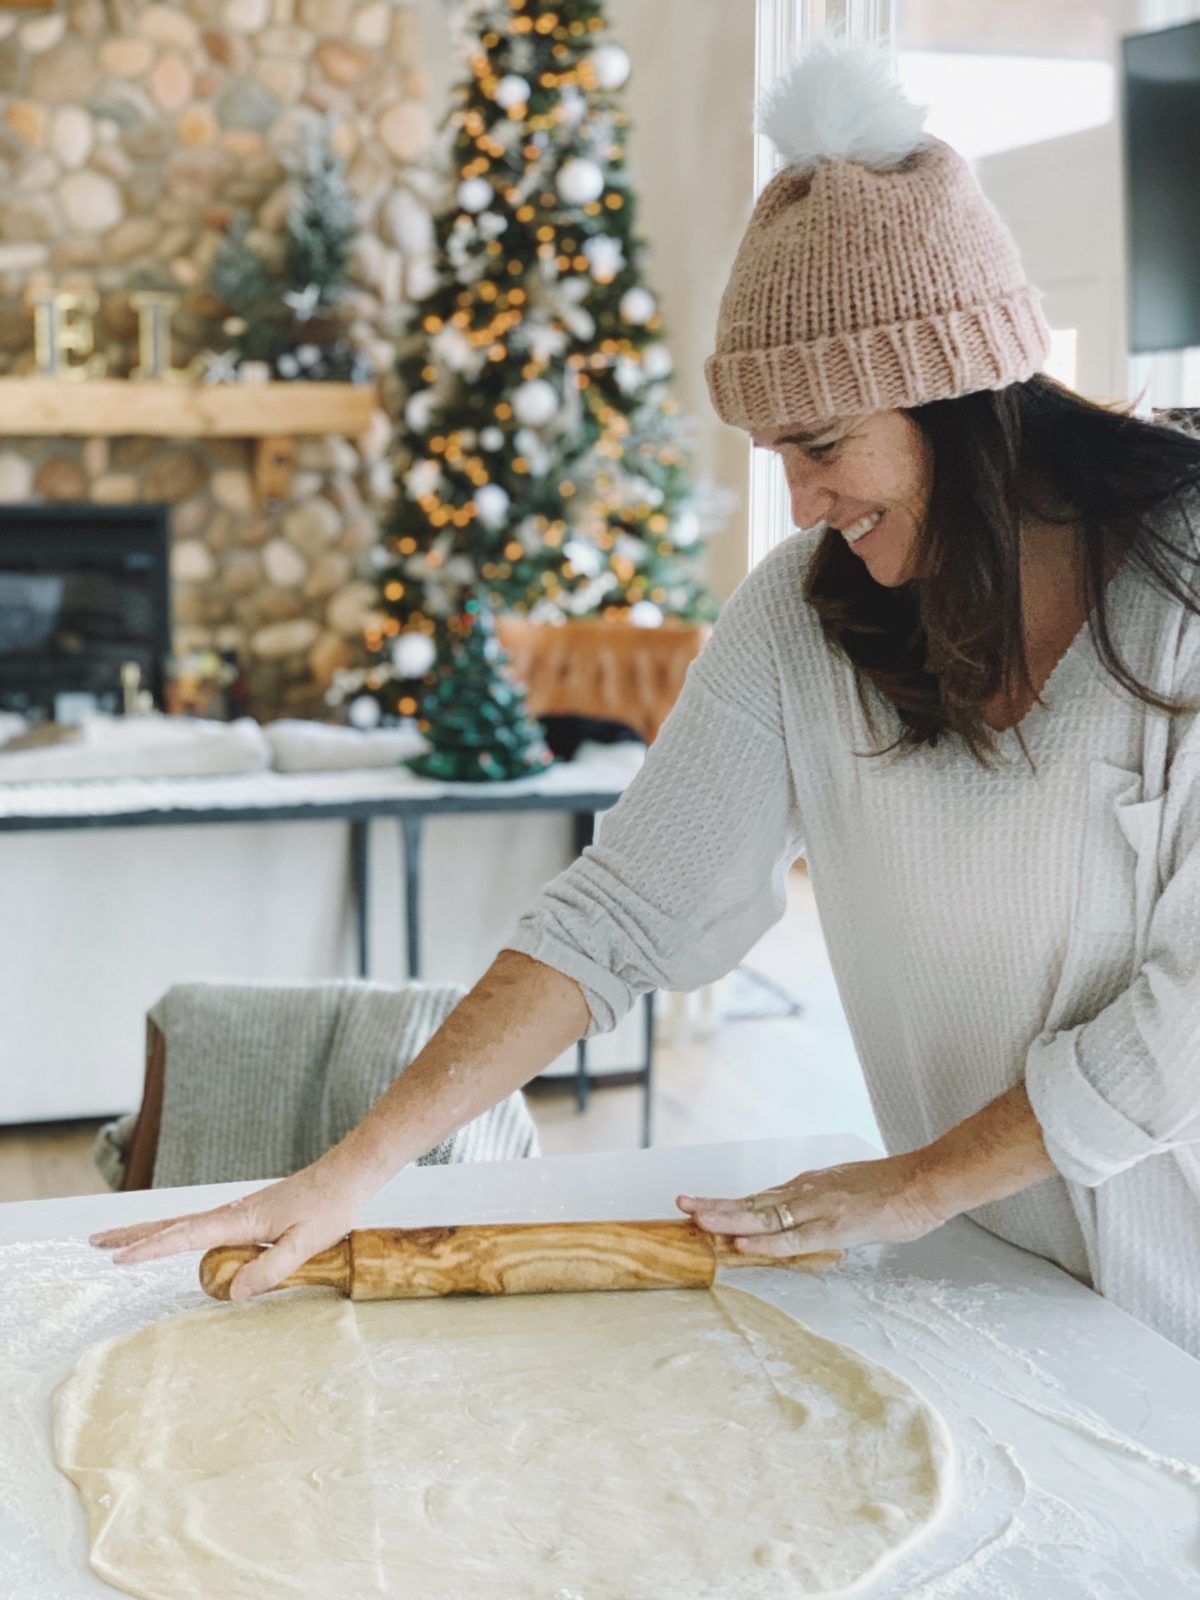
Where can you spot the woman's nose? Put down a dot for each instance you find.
(810, 500)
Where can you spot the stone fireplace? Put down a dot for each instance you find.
(132, 134)
(286, 588)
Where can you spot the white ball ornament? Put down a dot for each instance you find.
(572, 106)
(637, 306)
(534, 403)
(656, 362)
(611, 66)
(585, 558)
(364, 712)
(418, 410)
(685, 528)
(413, 654)
(475, 194)
(491, 505)
(605, 255)
(645, 614)
(492, 439)
(579, 181)
(422, 478)
(451, 345)
(629, 375)
(512, 90)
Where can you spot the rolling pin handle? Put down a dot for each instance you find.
(219, 1267)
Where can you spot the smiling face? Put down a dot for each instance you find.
(869, 478)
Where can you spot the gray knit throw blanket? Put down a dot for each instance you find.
(261, 1079)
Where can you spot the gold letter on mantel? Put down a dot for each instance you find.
(62, 327)
(154, 308)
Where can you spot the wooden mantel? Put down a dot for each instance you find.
(272, 413)
(122, 407)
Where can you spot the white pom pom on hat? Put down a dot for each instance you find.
(842, 103)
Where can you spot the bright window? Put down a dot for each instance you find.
(982, 104)
(1062, 363)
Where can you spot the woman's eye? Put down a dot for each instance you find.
(821, 452)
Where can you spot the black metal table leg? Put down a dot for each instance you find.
(584, 824)
(582, 1081)
(410, 827)
(648, 1073)
(584, 828)
(360, 877)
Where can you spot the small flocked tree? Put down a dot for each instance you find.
(542, 464)
(286, 310)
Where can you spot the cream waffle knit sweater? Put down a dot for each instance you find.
(984, 926)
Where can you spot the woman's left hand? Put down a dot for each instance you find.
(865, 1202)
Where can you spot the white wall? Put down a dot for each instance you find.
(1062, 199)
(691, 97)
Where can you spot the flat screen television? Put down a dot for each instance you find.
(84, 589)
(1161, 73)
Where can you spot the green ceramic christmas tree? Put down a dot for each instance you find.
(474, 714)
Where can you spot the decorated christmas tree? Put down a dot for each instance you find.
(473, 713)
(542, 465)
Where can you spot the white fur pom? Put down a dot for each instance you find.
(838, 103)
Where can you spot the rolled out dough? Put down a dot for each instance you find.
(638, 1446)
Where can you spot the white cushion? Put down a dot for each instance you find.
(142, 747)
(321, 747)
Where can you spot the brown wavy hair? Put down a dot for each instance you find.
(942, 645)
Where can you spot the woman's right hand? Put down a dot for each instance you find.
(518, 1018)
(298, 1216)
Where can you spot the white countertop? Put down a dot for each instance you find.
(1077, 1429)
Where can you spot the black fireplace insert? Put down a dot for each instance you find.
(84, 592)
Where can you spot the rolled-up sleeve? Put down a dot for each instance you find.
(1125, 1084)
(689, 868)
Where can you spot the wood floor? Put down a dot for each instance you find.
(743, 1079)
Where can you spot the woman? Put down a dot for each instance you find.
(966, 697)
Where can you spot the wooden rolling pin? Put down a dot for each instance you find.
(511, 1258)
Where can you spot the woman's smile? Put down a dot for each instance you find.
(859, 532)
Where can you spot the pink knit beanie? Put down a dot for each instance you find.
(874, 273)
